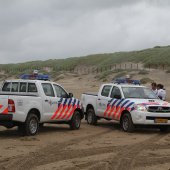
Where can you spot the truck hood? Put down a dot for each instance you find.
(150, 102)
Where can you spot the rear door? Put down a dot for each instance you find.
(102, 100)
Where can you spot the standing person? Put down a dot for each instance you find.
(154, 88)
(161, 92)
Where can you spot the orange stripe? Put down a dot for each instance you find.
(105, 113)
(72, 111)
(68, 109)
(55, 114)
(58, 117)
(5, 111)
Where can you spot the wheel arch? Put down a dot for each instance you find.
(81, 112)
(124, 112)
(36, 112)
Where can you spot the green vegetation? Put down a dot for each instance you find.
(150, 57)
(143, 72)
(146, 80)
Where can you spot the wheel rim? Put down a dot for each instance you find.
(33, 126)
(125, 123)
(77, 121)
(89, 117)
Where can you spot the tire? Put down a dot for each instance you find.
(31, 125)
(75, 121)
(127, 123)
(91, 117)
(164, 129)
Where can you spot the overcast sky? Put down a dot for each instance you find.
(44, 29)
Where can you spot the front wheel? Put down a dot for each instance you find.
(75, 121)
(127, 123)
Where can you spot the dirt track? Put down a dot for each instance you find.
(103, 146)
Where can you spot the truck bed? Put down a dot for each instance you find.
(91, 93)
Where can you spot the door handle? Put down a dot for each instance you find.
(99, 99)
(46, 100)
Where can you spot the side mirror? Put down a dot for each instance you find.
(70, 95)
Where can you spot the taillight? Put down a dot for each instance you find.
(11, 105)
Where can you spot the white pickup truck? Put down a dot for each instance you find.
(30, 103)
(129, 104)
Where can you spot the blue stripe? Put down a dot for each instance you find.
(120, 102)
(129, 105)
(114, 102)
(110, 101)
(74, 102)
(124, 103)
(69, 102)
(60, 101)
(65, 102)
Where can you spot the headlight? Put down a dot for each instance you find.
(140, 107)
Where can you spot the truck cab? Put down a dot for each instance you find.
(30, 103)
(129, 104)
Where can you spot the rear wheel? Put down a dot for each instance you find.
(75, 121)
(31, 125)
(127, 123)
(91, 117)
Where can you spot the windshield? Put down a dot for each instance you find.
(139, 92)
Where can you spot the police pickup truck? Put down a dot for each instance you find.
(129, 104)
(30, 103)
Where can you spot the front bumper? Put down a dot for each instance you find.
(148, 118)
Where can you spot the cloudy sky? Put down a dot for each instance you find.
(43, 29)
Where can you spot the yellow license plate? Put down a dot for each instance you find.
(161, 120)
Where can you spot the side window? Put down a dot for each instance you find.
(106, 90)
(6, 86)
(115, 93)
(14, 87)
(32, 87)
(23, 87)
(48, 89)
(60, 91)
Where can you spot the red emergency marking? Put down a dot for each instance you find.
(55, 114)
(72, 111)
(67, 112)
(66, 109)
(5, 111)
(61, 112)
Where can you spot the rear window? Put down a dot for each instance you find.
(32, 88)
(15, 86)
(23, 87)
(6, 86)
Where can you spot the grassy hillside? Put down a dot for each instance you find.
(149, 57)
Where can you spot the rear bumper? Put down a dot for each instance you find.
(6, 117)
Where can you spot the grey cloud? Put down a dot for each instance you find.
(40, 29)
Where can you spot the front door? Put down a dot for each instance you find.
(50, 103)
(103, 100)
